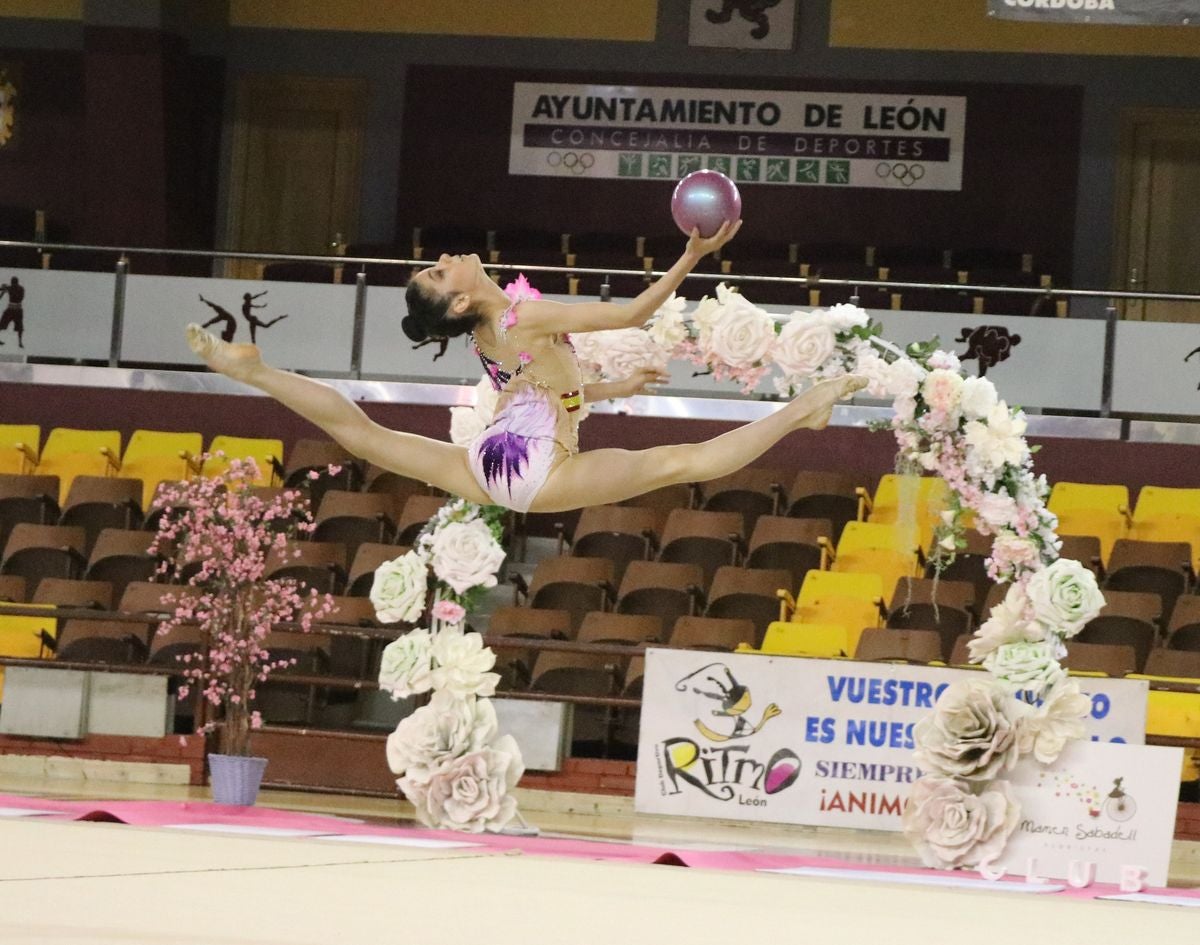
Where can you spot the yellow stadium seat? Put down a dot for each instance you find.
(823, 585)
(917, 501)
(70, 453)
(19, 444)
(22, 637)
(155, 457)
(1174, 714)
(268, 454)
(850, 601)
(1086, 495)
(1162, 500)
(874, 547)
(807, 639)
(1108, 526)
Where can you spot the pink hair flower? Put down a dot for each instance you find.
(520, 289)
(525, 357)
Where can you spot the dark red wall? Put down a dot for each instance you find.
(1020, 171)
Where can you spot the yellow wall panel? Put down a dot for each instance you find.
(963, 25)
(633, 20)
(42, 9)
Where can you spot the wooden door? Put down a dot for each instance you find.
(1159, 228)
(296, 165)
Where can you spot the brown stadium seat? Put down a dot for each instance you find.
(709, 539)
(793, 544)
(660, 589)
(712, 633)
(747, 594)
(907, 646)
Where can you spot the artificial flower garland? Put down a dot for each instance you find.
(450, 760)
(956, 427)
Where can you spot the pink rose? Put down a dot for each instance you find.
(448, 612)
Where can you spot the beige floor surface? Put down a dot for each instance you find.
(74, 883)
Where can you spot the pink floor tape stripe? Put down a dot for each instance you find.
(161, 813)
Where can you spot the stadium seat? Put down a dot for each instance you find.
(1089, 509)
(1162, 568)
(63, 592)
(792, 544)
(95, 503)
(353, 518)
(367, 558)
(807, 639)
(120, 556)
(515, 664)
(266, 453)
(32, 499)
(315, 564)
(415, 515)
(102, 641)
(752, 492)
(19, 443)
(944, 607)
(1110, 659)
(711, 633)
(661, 589)
(12, 589)
(747, 594)
(27, 638)
(881, 644)
(576, 585)
(915, 501)
(154, 456)
(602, 627)
(69, 453)
(38, 551)
(825, 495)
(620, 533)
(709, 539)
(877, 548)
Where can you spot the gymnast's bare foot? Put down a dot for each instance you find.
(233, 360)
(814, 408)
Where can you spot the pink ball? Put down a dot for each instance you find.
(705, 200)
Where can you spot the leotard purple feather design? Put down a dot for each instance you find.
(513, 456)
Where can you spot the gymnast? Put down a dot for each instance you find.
(528, 459)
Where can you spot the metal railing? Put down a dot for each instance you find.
(1049, 292)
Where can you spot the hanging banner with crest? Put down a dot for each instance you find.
(1130, 12)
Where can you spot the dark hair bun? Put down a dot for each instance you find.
(411, 325)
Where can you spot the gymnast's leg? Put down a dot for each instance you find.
(605, 476)
(444, 465)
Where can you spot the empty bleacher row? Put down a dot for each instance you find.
(746, 256)
(802, 563)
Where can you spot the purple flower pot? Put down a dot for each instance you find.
(235, 778)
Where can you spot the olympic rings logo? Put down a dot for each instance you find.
(906, 174)
(570, 161)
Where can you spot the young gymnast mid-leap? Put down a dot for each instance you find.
(529, 458)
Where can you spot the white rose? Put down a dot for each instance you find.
(971, 732)
(875, 370)
(625, 350)
(465, 555)
(951, 827)
(707, 311)
(1032, 666)
(844, 316)
(904, 378)
(945, 361)
(977, 398)
(398, 591)
(446, 728)
(742, 337)
(940, 390)
(803, 346)
(997, 510)
(998, 440)
(1005, 624)
(465, 425)
(668, 329)
(1058, 720)
(1012, 555)
(406, 664)
(470, 793)
(461, 664)
(1064, 597)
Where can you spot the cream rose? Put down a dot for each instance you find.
(951, 827)
(977, 398)
(803, 346)
(470, 793)
(406, 665)
(742, 336)
(971, 732)
(1032, 666)
(1058, 720)
(843, 316)
(1064, 597)
(444, 729)
(398, 591)
(461, 664)
(1005, 624)
(997, 440)
(625, 350)
(465, 555)
(940, 390)
(668, 329)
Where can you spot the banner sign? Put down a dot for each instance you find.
(1162, 12)
(1108, 805)
(46, 313)
(806, 741)
(755, 137)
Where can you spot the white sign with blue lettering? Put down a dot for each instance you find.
(806, 741)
